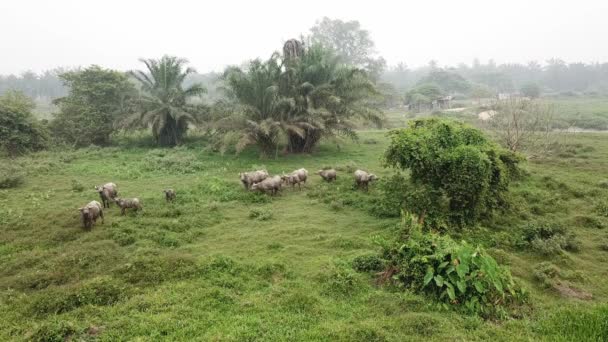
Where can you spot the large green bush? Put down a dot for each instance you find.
(20, 132)
(454, 273)
(97, 98)
(457, 173)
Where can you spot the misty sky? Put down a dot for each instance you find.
(41, 35)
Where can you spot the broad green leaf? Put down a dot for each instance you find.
(451, 293)
(461, 286)
(439, 280)
(478, 286)
(428, 276)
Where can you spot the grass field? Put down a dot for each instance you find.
(223, 264)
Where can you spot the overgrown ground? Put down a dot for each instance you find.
(224, 264)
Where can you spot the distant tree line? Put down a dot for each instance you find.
(553, 77)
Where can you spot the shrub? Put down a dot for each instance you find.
(340, 281)
(456, 274)
(547, 238)
(99, 291)
(20, 132)
(368, 263)
(603, 184)
(55, 331)
(453, 161)
(97, 97)
(10, 177)
(545, 273)
(152, 270)
(393, 194)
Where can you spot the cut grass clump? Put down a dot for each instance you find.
(588, 222)
(11, 177)
(583, 323)
(549, 275)
(152, 270)
(57, 330)
(98, 291)
(77, 186)
(260, 214)
(340, 281)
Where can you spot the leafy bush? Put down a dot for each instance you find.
(97, 97)
(547, 238)
(393, 194)
(340, 281)
(603, 184)
(368, 263)
(20, 132)
(545, 273)
(453, 161)
(455, 273)
(260, 214)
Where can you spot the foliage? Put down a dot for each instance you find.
(448, 81)
(20, 132)
(352, 43)
(521, 124)
(423, 95)
(393, 193)
(368, 263)
(97, 98)
(164, 104)
(530, 89)
(457, 274)
(10, 177)
(300, 99)
(547, 238)
(453, 161)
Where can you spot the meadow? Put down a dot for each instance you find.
(222, 263)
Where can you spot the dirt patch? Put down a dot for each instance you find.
(569, 291)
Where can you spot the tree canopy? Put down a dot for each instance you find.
(352, 43)
(97, 98)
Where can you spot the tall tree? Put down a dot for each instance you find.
(164, 104)
(304, 96)
(97, 98)
(352, 43)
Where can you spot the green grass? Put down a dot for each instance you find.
(224, 264)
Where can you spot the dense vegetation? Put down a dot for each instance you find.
(228, 264)
(459, 239)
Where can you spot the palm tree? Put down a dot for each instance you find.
(328, 97)
(164, 104)
(260, 116)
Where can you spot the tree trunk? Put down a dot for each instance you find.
(297, 144)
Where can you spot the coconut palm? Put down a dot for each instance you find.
(164, 104)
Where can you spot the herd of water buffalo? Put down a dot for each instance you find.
(258, 180)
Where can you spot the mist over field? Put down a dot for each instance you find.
(318, 171)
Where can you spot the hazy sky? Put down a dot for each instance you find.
(40, 35)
